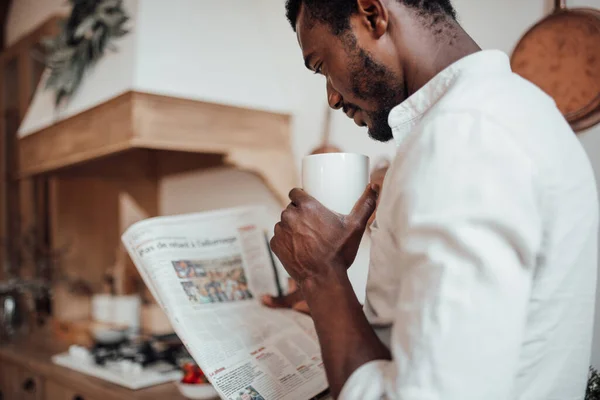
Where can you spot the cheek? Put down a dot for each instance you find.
(340, 75)
(340, 79)
(345, 84)
(349, 84)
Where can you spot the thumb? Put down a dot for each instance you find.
(365, 206)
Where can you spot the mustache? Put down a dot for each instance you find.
(349, 106)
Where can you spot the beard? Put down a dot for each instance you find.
(374, 82)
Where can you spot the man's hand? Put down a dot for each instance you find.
(316, 246)
(377, 177)
(294, 299)
(314, 243)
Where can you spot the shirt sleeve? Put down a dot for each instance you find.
(463, 218)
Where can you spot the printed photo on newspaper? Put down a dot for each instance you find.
(208, 271)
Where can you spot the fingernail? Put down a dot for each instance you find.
(265, 298)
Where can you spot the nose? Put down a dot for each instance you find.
(333, 97)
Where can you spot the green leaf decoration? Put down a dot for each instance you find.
(593, 387)
(86, 26)
(82, 41)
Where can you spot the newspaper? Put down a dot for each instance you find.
(207, 271)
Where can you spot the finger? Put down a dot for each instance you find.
(273, 243)
(365, 206)
(372, 218)
(288, 216)
(290, 207)
(382, 163)
(277, 231)
(298, 196)
(302, 306)
(292, 285)
(287, 301)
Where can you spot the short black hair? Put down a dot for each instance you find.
(337, 13)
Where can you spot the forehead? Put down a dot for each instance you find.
(313, 36)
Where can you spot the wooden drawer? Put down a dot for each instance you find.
(54, 391)
(17, 383)
(8, 377)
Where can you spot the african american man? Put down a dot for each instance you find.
(484, 248)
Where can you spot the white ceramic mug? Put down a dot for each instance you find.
(337, 180)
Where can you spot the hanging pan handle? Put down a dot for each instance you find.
(560, 5)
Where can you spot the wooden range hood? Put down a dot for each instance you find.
(254, 140)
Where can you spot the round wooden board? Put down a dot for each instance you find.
(561, 55)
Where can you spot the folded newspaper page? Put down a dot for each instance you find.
(207, 271)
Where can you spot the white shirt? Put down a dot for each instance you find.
(484, 254)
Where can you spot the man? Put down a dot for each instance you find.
(483, 261)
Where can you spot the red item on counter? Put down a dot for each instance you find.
(193, 374)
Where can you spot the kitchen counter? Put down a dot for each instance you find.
(32, 354)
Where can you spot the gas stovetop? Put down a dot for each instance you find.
(131, 363)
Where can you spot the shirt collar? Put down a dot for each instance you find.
(405, 116)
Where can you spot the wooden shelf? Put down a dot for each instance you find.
(254, 140)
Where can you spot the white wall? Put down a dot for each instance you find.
(493, 23)
(217, 51)
(112, 75)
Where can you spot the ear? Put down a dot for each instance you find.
(375, 16)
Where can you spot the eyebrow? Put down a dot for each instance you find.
(307, 61)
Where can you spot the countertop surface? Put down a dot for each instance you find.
(34, 351)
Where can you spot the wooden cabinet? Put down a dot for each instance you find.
(8, 379)
(20, 384)
(27, 373)
(54, 391)
(20, 199)
(17, 383)
(30, 385)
